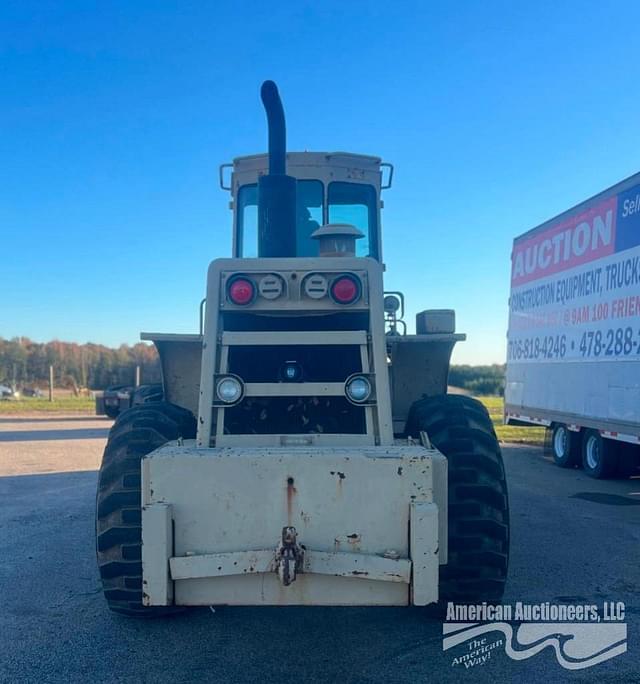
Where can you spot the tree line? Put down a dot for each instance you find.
(479, 379)
(24, 363)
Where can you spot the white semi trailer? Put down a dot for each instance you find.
(573, 356)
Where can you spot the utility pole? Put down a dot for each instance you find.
(138, 376)
(83, 368)
(50, 383)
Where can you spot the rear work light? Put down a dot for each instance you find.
(345, 289)
(229, 389)
(358, 389)
(241, 291)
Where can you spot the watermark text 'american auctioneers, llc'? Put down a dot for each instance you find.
(580, 635)
(520, 612)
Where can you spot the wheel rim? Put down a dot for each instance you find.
(560, 442)
(593, 453)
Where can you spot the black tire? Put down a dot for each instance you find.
(137, 431)
(599, 456)
(478, 549)
(111, 411)
(628, 459)
(146, 394)
(565, 446)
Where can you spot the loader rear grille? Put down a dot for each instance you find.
(318, 363)
(294, 379)
(294, 416)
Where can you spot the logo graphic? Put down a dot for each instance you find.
(576, 644)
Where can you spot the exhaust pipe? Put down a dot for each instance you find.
(276, 190)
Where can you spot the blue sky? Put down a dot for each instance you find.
(114, 117)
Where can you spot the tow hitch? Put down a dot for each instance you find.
(289, 556)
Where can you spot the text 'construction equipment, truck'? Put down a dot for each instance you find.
(305, 451)
(573, 359)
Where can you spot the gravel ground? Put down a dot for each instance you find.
(573, 540)
(35, 444)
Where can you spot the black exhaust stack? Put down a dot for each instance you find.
(276, 191)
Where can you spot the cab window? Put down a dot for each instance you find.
(309, 203)
(248, 221)
(355, 203)
(309, 206)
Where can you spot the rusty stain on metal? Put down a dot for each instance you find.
(352, 539)
(306, 518)
(399, 470)
(291, 492)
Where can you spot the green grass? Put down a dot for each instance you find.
(41, 405)
(509, 433)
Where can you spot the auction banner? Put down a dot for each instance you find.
(575, 286)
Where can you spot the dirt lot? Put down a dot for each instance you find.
(574, 540)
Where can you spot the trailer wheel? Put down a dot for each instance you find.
(137, 431)
(565, 446)
(478, 549)
(599, 456)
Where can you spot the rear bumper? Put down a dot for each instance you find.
(370, 524)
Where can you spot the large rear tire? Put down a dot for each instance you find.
(147, 394)
(478, 543)
(111, 411)
(137, 431)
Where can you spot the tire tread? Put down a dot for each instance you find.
(478, 546)
(137, 431)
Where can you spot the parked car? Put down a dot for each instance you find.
(114, 400)
(32, 392)
(7, 392)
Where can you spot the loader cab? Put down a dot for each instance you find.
(336, 187)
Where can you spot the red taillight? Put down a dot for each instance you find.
(345, 289)
(241, 291)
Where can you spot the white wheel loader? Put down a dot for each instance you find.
(305, 451)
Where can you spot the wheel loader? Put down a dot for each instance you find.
(305, 450)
